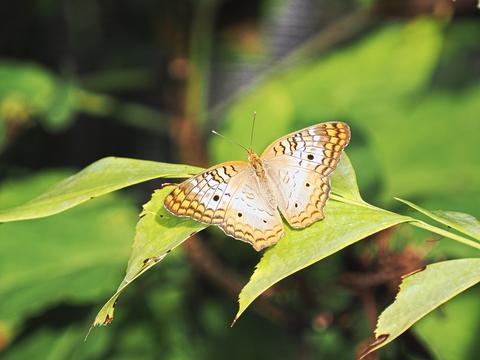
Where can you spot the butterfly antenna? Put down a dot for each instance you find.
(232, 141)
(253, 127)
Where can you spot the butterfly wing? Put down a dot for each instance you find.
(228, 195)
(300, 164)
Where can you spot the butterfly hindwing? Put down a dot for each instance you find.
(301, 193)
(251, 217)
(228, 195)
(299, 165)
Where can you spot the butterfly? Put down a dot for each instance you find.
(244, 198)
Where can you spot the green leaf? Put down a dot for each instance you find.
(462, 222)
(344, 180)
(157, 233)
(346, 222)
(421, 293)
(101, 177)
(31, 90)
(51, 260)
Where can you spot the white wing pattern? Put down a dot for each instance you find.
(243, 198)
(300, 164)
(228, 195)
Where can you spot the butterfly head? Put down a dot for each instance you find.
(252, 156)
(256, 163)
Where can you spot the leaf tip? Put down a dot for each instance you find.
(234, 321)
(237, 316)
(88, 332)
(379, 340)
(413, 272)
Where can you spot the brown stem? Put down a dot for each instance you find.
(231, 283)
(186, 133)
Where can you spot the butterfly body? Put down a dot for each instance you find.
(263, 180)
(244, 198)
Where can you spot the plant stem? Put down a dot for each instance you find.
(199, 57)
(137, 115)
(353, 202)
(445, 233)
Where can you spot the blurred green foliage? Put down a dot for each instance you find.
(29, 90)
(380, 86)
(54, 260)
(420, 139)
(408, 86)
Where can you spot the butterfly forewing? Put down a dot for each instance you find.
(205, 196)
(228, 195)
(299, 165)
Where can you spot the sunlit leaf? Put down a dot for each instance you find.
(157, 233)
(423, 292)
(344, 181)
(104, 176)
(345, 223)
(462, 222)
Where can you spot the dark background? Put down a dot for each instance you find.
(81, 80)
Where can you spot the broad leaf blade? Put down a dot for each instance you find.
(462, 222)
(344, 225)
(101, 177)
(423, 292)
(157, 233)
